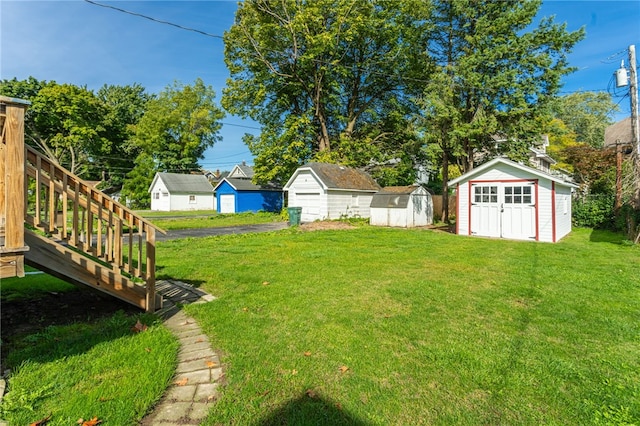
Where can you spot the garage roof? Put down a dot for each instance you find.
(335, 176)
(394, 197)
(183, 183)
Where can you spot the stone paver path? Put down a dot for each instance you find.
(195, 384)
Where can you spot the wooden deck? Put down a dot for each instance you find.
(54, 221)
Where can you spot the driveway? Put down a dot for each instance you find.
(207, 232)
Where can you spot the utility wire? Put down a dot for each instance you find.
(153, 19)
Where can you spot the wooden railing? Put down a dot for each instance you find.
(76, 214)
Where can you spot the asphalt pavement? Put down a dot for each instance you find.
(226, 230)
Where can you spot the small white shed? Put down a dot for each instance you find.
(175, 192)
(402, 206)
(330, 191)
(505, 199)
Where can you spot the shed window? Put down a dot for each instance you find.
(517, 194)
(156, 195)
(192, 199)
(485, 194)
(354, 201)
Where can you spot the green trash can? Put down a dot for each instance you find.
(294, 215)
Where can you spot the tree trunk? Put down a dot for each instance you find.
(445, 185)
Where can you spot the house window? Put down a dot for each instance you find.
(156, 195)
(165, 194)
(192, 199)
(517, 194)
(485, 194)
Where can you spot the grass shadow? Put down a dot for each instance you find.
(604, 236)
(61, 325)
(309, 409)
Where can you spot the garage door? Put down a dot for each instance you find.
(227, 203)
(505, 209)
(310, 203)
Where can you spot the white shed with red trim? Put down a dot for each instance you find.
(505, 199)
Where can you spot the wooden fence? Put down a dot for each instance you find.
(437, 206)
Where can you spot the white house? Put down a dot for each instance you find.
(402, 206)
(505, 199)
(173, 192)
(330, 191)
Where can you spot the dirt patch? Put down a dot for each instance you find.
(325, 225)
(23, 317)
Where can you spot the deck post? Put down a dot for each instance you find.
(151, 268)
(12, 186)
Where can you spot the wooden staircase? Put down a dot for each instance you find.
(55, 222)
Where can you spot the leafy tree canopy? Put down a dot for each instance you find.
(63, 121)
(496, 74)
(172, 135)
(325, 79)
(586, 114)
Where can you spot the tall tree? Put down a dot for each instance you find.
(500, 72)
(125, 107)
(63, 121)
(322, 77)
(172, 135)
(587, 114)
(88, 134)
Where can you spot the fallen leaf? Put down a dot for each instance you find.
(139, 327)
(211, 398)
(42, 421)
(311, 393)
(265, 393)
(200, 340)
(212, 364)
(93, 422)
(294, 372)
(339, 406)
(182, 382)
(265, 283)
(307, 353)
(344, 369)
(245, 309)
(147, 349)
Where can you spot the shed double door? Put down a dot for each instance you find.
(504, 210)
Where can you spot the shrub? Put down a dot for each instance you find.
(594, 211)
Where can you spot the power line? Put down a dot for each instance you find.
(159, 21)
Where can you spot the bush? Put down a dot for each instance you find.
(594, 211)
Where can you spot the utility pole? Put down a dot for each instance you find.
(633, 89)
(633, 77)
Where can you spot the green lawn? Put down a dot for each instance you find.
(375, 326)
(429, 328)
(207, 219)
(99, 367)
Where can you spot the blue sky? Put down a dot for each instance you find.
(79, 43)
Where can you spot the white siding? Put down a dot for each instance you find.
(191, 202)
(160, 199)
(307, 192)
(462, 209)
(419, 212)
(563, 211)
(545, 211)
(348, 204)
(390, 217)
